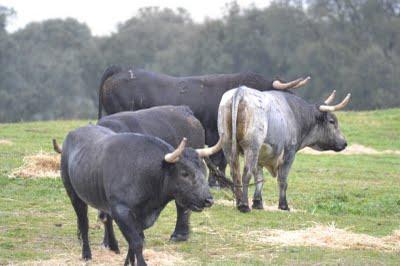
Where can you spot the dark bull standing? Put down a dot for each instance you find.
(133, 89)
(269, 128)
(169, 123)
(131, 177)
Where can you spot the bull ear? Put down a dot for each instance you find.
(173, 157)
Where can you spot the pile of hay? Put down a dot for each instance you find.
(5, 142)
(354, 149)
(268, 208)
(158, 258)
(327, 237)
(105, 257)
(38, 165)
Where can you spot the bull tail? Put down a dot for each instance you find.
(56, 147)
(110, 71)
(237, 97)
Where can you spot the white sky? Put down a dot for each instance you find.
(103, 16)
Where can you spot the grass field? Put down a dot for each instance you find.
(359, 193)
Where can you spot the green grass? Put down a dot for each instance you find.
(359, 192)
(378, 129)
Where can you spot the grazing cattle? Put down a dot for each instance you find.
(269, 128)
(169, 123)
(124, 89)
(131, 177)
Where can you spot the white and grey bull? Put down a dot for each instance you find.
(268, 128)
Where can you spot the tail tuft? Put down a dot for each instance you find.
(56, 147)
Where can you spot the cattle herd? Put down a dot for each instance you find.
(149, 149)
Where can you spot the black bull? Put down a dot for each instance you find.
(131, 177)
(169, 123)
(124, 89)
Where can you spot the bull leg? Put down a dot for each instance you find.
(132, 232)
(222, 167)
(217, 159)
(181, 232)
(283, 173)
(109, 240)
(250, 168)
(259, 181)
(222, 180)
(80, 208)
(237, 183)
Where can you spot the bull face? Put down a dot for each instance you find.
(328, 135)
(187, 181)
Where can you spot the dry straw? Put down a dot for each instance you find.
(328, 237)
(6, 142)
(105, 257)
(354, 149)
(268, 208)
(38, 165)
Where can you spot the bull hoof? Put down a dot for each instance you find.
(112, 247)
(212, 181)
(179, 237)
(257, 205)
(244, 208)
(86, 255)
(102, 217)
(284, 208)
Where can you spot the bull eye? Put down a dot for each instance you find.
(185, 174)
(332, 121)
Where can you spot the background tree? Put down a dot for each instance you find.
(51, 69)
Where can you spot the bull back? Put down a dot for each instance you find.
(169, 123)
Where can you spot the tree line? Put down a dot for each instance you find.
(52, 69)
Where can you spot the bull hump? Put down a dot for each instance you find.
(193, 122)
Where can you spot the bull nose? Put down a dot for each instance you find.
(208, 202)
(345, 144)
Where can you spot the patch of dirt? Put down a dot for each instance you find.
(38, 165)
(106, 257)
(328, 237)
(268, 208)
(354, 149)
(6, 142)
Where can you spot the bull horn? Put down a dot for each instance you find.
(328, 108)
(277, 84)
(205, 152)
(330, 98)
(302, 83)
(173, 157)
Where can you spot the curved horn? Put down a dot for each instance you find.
(330, 98)
(328, 108)
(302, 83)
(173, 157)
(205, 152)
(277, 84)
